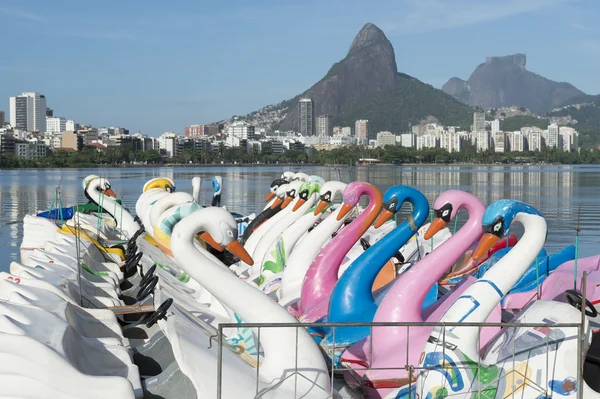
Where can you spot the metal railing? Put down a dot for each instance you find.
(549, 345)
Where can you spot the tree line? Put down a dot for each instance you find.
(339, 156)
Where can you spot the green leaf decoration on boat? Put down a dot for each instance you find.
(484, 375)
(87, 269)
(278, 255)
(184, 278)
(276, 266)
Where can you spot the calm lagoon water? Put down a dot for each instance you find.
(559, 192)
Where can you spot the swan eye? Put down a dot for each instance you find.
(229, 233)
(497, 227)
(445, 213)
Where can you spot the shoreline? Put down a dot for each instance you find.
(294, 165)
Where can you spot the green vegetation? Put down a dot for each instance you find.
(398, 155)
(406, 104)
(588, 121)
(339, 156)
(517, 122)
(122, 156)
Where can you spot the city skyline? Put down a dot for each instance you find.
(144, 50)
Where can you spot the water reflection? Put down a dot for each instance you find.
(558, 191)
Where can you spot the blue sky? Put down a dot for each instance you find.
(158, 66)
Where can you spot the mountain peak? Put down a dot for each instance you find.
(368, 35)
(504, 81)
(515, 59)
(366, 84)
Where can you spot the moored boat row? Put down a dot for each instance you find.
(124, 304)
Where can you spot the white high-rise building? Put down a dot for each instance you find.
(324, 125)
(385, 138)
(495, 126)
(56, 125)
(71, 125)
(241, 130)
(28, 112)
(478, 121)
(483, 140)
(553, 136)
(168, 143)
(427, 141)
(535, 140)
(346, 131)
(570, 138)
(516, 141)
(361, 129)
(408, 140)
(451, 141)
(500, 142)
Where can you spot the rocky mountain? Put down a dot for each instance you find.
(505, 81)
(366, 85)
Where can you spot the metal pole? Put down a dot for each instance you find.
(219, 359)
(576, 249)
(581, 338)
(78, 249)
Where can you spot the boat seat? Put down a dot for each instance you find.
(41, 323)
(69, 292)
(68, 273)
(57, 279)
(71, 262)
(30, 369)
(67, 244)
(94, 323)
(92, 356)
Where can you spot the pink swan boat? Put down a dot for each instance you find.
(404, 301)
(560, 280)
(322, 274)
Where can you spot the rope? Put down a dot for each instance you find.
(100, 209)
(455, 223)
(54, 201)
(60, 204)
(121, 221)
(431, 239)
(537, 277)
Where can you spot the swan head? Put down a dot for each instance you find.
(288, 176)
(292, 192)
(301, 176)
(352, 195)
(88, 179)
(217, 184)
(328, 192)
(496, 222)
(316, 179)
(392, 203)
(222, 230)
(446, 208)
(273, 188)
(305, 192)
(101, 185)
(162, 183)
(280, 195)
